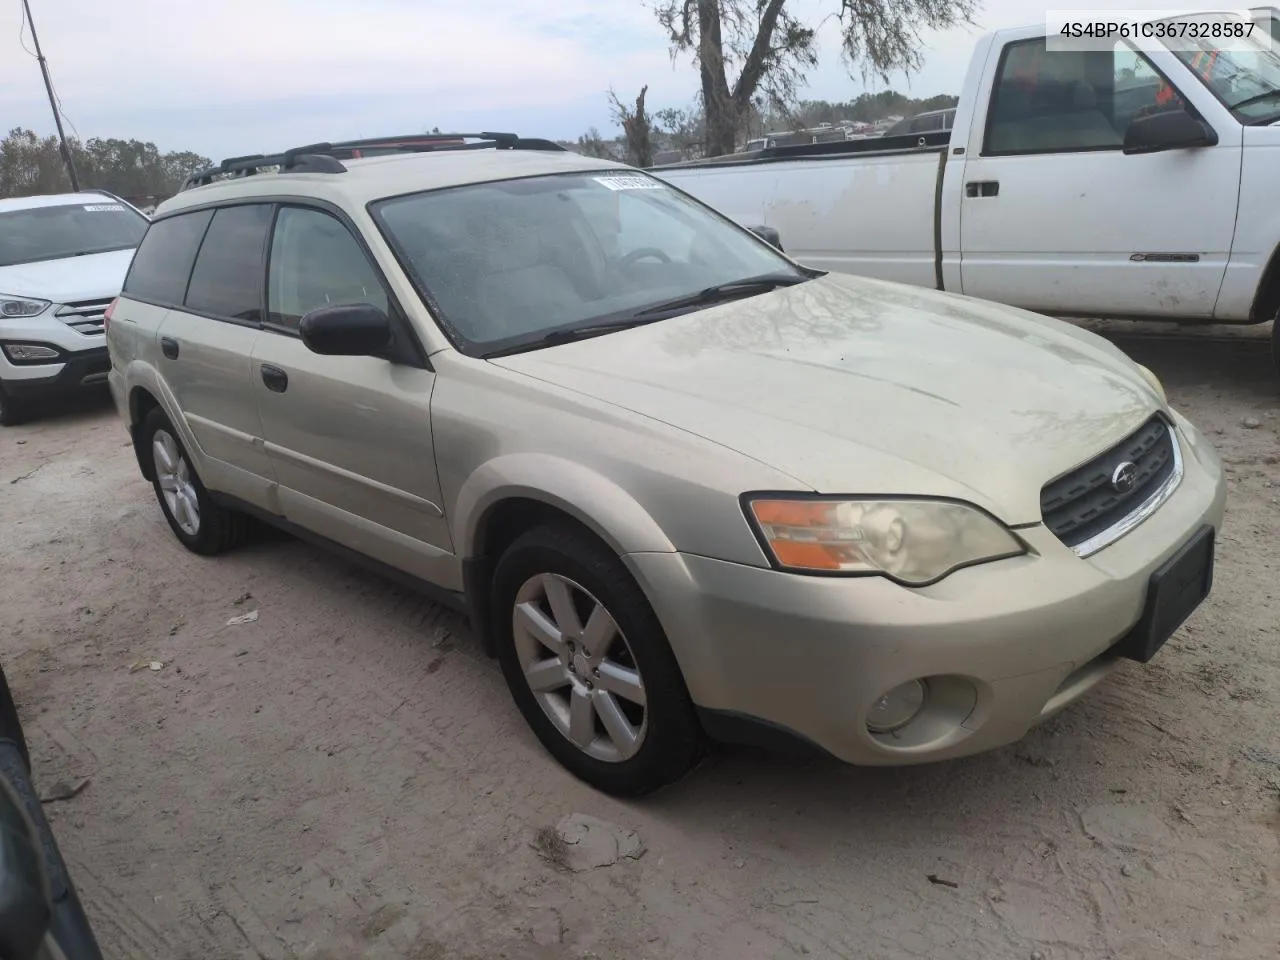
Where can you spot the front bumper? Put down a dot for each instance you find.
(84, 368)
(1011, 642)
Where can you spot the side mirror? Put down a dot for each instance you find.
(26, 909)
(768, 235)
(349, 330)
(1169, 130)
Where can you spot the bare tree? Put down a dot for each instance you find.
(771, 50)
(637, 129)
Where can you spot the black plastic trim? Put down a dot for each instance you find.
(450, 598)
(729, 726)
(746, 499)
(477, 575)
(77, 366)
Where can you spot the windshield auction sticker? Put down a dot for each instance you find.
(1195, 31)
(104, 207)
(628, 182)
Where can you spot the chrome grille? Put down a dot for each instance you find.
(86, 316)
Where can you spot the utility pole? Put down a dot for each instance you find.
(53, 102)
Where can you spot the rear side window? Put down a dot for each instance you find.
(162, 265)
(227, 279)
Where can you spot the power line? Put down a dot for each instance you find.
(54, 104)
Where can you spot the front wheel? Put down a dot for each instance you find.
(200, 524)
(588, 664)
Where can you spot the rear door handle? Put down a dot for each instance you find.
(982, 188)
(169, 347)
(276, 379)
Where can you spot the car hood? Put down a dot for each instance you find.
(95, 276)
(861, 386)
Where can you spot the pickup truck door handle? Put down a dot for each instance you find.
(276, 379)
(982, 188)
(169, 347)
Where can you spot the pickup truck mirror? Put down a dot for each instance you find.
(768, 234)
(26, 910)
(347, 330)
(1168, 130)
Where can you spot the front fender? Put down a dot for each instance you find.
(591, 498)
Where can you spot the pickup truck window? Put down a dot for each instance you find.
(1071, 100)
(1245, 80)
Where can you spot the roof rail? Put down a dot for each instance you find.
(328, 157)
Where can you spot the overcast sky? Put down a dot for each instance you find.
(226, 77)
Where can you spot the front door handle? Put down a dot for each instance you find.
(169, 347)
(982, 188)
(276, 379)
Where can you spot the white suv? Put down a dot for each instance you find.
(62, 260)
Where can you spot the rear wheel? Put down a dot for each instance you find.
(200, 524)
(588, 663)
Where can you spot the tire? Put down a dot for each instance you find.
(624, 747)
(13, 411)
(209, 528)
(10, 724)
(1275, 343)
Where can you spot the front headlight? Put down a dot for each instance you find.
(1152, 379)
(21, 306)
(915, 542)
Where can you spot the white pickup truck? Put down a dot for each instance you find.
(1139, 180)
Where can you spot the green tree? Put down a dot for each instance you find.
(771, 50)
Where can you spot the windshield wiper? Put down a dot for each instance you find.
(722, 292)
(570, 334)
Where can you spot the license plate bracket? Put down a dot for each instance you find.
(1174, 591)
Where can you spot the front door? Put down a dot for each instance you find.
(349, 437)
(1056, 218)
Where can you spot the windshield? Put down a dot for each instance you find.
(68, 230)
(1244, 75)
(506, 263)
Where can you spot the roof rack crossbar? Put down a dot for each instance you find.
(327, 157)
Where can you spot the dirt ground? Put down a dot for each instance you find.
(346, 776)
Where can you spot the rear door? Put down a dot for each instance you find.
(1056, 218)
(206, 346)
(349, 437)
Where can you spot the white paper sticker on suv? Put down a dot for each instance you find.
(98, 207)
(629, 182)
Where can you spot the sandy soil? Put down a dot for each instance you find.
(346, 777)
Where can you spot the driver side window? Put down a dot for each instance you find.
(316, 262)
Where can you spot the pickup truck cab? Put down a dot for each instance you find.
(1134, 181)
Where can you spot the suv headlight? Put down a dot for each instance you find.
(915, 542)
(21, 306)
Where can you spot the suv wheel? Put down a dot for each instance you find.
(10, 725)
(588, 664)
(200, 524)
(12, 410)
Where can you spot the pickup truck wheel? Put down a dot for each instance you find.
(589, 666)
(199, 524)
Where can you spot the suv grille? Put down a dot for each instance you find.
(84, 316)
(1087, 502)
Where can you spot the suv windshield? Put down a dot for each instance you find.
(68, 230)
(505, 264)
(1245, 75)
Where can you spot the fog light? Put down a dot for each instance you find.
(896, 708)
(29, 352)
